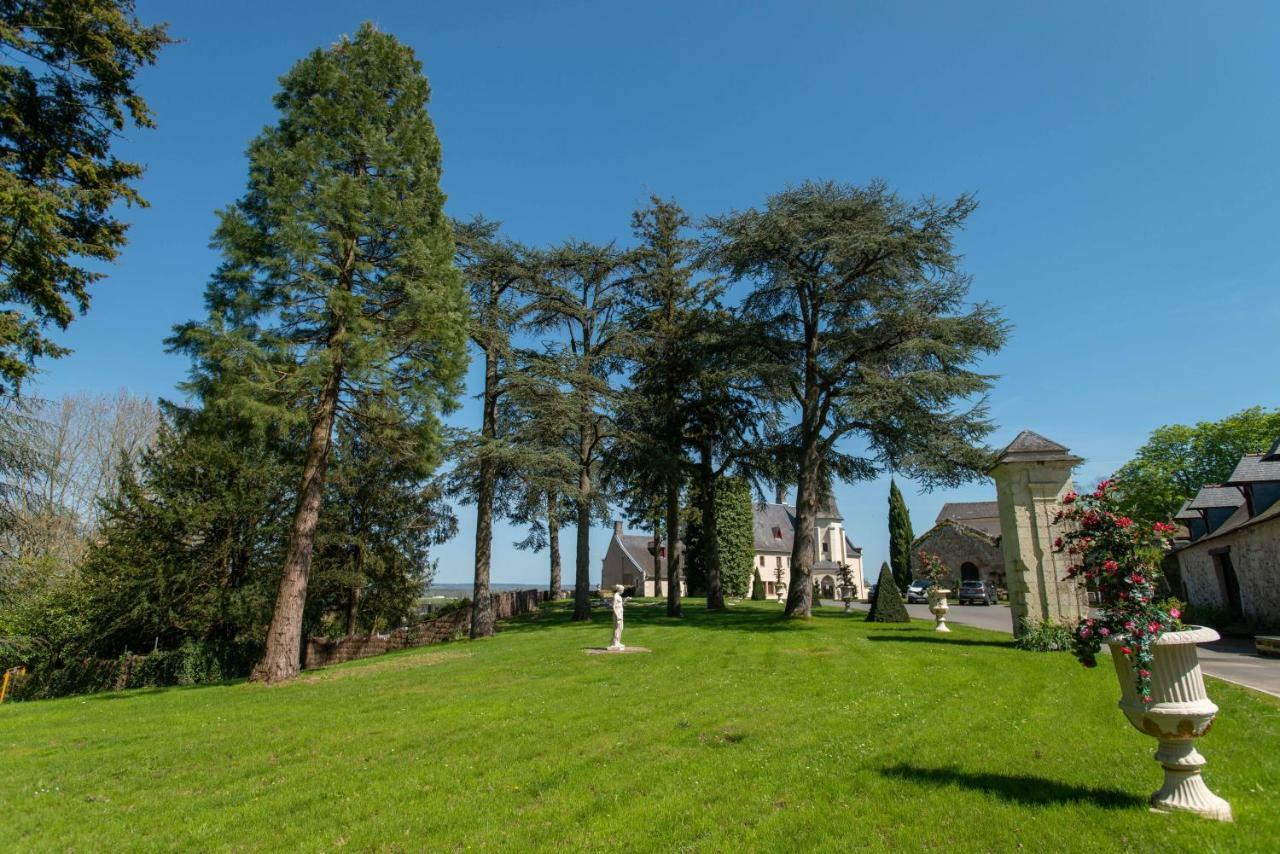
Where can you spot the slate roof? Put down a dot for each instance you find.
(1029, 446)
(638, 547)
(1255, 468)
(1216, 496)
(1185, 511)
(1273, 453)
(983, 516)
(766, 517)
(1237, 520)
(827, 507)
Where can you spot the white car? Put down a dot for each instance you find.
(917, 590)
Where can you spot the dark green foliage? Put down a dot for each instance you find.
(757, 588)
(66, 94)
(337, 304)
(887, 605)
(900, 536)
(1177, 460)
(860, 305)
(734, 534)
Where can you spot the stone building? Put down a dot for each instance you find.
(1232, 561)
(629, 559)
(966, 535)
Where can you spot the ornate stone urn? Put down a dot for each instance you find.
(1179, 712)
(938, 607)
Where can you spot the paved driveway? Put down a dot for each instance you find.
(1230, 659)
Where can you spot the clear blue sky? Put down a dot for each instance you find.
(1125, 156)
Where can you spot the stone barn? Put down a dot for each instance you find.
(966, 535)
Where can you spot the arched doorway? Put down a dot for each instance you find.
(969, 572)
(828, 587)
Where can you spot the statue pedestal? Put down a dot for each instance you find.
(622, 650)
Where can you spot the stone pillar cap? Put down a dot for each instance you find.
(1030, 447)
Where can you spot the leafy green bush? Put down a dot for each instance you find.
(757, 588)
(1043, 636)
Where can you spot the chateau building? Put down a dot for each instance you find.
(630, 559)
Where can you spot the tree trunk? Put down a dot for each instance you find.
(673, 554)
(657, 556)
(353, 606)
(481, 601)
(553, 539)
(582, 573)
(710, 532)
(280, 660)
(800, 593)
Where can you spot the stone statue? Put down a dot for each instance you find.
(618, 603)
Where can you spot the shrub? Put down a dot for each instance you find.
(757, 588)
(1044, 636)
(887, 605)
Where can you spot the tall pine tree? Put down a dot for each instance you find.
(900, 537)
(337, 298)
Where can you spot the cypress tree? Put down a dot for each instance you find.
(900, 536)
(757, 588)
(337, 301)
(887, 605)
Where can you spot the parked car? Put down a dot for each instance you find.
(976, 592)
(918, 590)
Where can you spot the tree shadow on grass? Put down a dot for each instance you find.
(1017, 788)
(941, 641)
(650, 614)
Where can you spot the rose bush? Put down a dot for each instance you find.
(1118, 559)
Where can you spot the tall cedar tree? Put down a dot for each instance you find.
(66, 94)
(887, 605)
(859, 298)
(337, 298)
(900, 536)
(495, 270)
(579, 292)
(667, 305)
(539, 474)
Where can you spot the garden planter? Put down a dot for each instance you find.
(1179, 712)
(938, 607)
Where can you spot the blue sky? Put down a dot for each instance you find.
(1124, 154)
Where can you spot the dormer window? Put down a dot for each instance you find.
(777, 533)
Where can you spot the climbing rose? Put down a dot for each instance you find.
(1124, 522)
(1069, 498)
(1175, 613)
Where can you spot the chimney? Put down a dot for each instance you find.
(617, 528)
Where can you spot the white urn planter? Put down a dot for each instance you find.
(1179, 712)
(938, 607)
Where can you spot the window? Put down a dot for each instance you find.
(762, 560)
(777, 533)
(778, 559)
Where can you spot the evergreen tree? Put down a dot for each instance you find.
(494, 269)
(337, 299)
(579, 292)
(887, 605)
(735, 538)
(667, 304)
(859, 303)
(65, 97)
(757, 588)
(900, 536)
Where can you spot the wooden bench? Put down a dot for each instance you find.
(1267, 644)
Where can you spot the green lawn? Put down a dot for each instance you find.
(739, 732)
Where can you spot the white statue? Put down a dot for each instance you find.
(618, 603)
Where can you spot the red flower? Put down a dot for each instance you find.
(1145, 674)
(1163, 528)
(1110, 566)
(1126, 650)
(1069, 498)
(1124, 522)
(1175, 613)
(1057, 543)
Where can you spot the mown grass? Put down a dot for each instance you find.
(739, 732)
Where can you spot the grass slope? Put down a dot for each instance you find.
(739, 732)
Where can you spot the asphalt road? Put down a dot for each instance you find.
(1231, 659)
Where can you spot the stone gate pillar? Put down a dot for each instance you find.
(1032, 474)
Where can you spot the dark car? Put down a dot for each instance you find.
(918, 590)
(976, 592)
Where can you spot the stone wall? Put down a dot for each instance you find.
(1255, 556)
(958, 545)
(454, 624)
